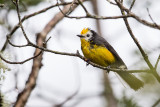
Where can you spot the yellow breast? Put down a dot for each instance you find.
(97, 54)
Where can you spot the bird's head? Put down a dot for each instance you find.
(86, 34)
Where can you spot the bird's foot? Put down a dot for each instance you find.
(87, 60)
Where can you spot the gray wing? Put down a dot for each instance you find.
(101, 41)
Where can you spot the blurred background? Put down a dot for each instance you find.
(61, 76)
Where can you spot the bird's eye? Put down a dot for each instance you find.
(88, 35)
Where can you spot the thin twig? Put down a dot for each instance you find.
(20, 23)
(73, 2)
(156, 103)
(94, 16)
(137, 43)
(87, 13)
(68, 98)
(152, 25)
(151, 18)
(26, 60)
(132, 4)
(157, 62)
(111, 2)
(8, 39)
(21, 62)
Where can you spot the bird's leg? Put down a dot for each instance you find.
(87, 60)
(108, 68)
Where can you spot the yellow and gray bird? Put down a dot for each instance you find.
(97, 50)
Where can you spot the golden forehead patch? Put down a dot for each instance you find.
(84, 31)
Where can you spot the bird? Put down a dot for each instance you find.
(97, 50)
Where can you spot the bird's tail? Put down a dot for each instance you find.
(131, 80)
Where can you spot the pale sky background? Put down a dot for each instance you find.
(61, 76)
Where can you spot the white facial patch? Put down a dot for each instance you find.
(88, 36)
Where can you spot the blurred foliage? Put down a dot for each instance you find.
(147, 78)
(3, 101)
(127, 102)
(151, 85)
(3, 68)
(23, 4)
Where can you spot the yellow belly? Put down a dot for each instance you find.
(97, 54)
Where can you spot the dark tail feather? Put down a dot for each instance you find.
(131, 80)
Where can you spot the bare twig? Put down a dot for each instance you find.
(67, 99)
(152, 25)
(73, 2)
(156, 103)
(157, 62)
(19, 18)
(28, 59)
(151, 18)
(21, 62)
(16, 45)
(87, 13)
(95, 16)
(111, 2)
(132, 4)
(137, 43)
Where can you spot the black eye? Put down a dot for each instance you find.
(88, 35)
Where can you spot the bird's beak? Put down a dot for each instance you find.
(80, 36)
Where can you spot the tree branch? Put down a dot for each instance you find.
(151, 17)
(137, 43)
(21, 62)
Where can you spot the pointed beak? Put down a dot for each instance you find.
(80, 36)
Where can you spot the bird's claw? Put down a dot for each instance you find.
(87, 60)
